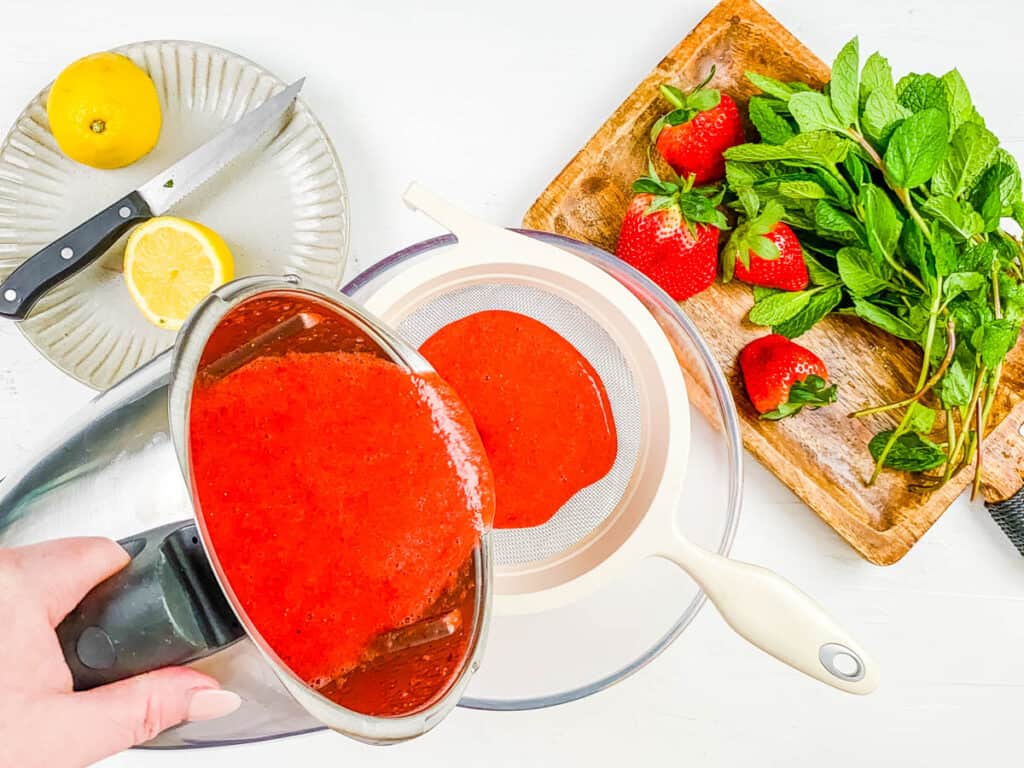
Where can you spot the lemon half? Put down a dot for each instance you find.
(172, 264)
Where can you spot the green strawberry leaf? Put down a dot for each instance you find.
(703, 100)
(673, 95)
(813, 392)
(678, 116)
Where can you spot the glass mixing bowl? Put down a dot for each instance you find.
(556, 656)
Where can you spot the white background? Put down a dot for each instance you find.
(486, 102)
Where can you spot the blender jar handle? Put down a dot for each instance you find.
(164, 608)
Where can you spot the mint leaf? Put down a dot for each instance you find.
(986, 199)
(944, 252)
(814, 148)
(920, 92)
(843, 88)
(862, 272)
(958, 383)
(883, 222)
(882, 115)
(977, 258)
(959, 216)
(802, 190)
(962, 282)
(820, 304)
(917, 147)
(909, 453)
(739, 175)
(961, 108)
(885, 320)
(994, 340)
(920, 419)
(818, 273)
(774, 128)
(813, 112)
(876, 78)
(837, 225)
(771, 86)
(1003, 177)
(779, 307)
(914, 251)
(970, 151)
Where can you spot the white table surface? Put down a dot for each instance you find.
(486, 101)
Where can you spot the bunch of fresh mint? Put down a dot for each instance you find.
(898, 193)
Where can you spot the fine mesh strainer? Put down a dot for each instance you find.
(627, 516)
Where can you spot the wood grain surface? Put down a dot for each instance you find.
(821, 455)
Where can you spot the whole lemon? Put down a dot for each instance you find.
(104, 111)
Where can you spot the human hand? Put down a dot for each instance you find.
(42, 721)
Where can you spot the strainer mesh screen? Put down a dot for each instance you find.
(592, 505)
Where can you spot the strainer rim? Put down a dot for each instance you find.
(730, 421)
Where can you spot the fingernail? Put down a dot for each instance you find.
(210, 703)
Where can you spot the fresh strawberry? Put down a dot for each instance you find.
(703, 124)
(782, 377)
(763, 250)
(670, 233)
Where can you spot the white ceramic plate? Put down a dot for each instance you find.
(282, 208)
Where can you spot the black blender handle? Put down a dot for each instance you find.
(68, 254)
(164, 608)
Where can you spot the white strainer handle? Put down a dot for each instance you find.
(455, 220)
(779, 619)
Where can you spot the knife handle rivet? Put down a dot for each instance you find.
(66, 253)
(10, 294)
(124, 212)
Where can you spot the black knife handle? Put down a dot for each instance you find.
(1009, 515)
(68, 254)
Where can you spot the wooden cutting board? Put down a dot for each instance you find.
(822, 455)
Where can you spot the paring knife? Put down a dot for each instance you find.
(91, 239)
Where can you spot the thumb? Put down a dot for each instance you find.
(114, 717)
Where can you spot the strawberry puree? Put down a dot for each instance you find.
(540, 407)
(343, 497)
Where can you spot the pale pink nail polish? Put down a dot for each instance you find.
(211, 703)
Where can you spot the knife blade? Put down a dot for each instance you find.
(88, 241)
